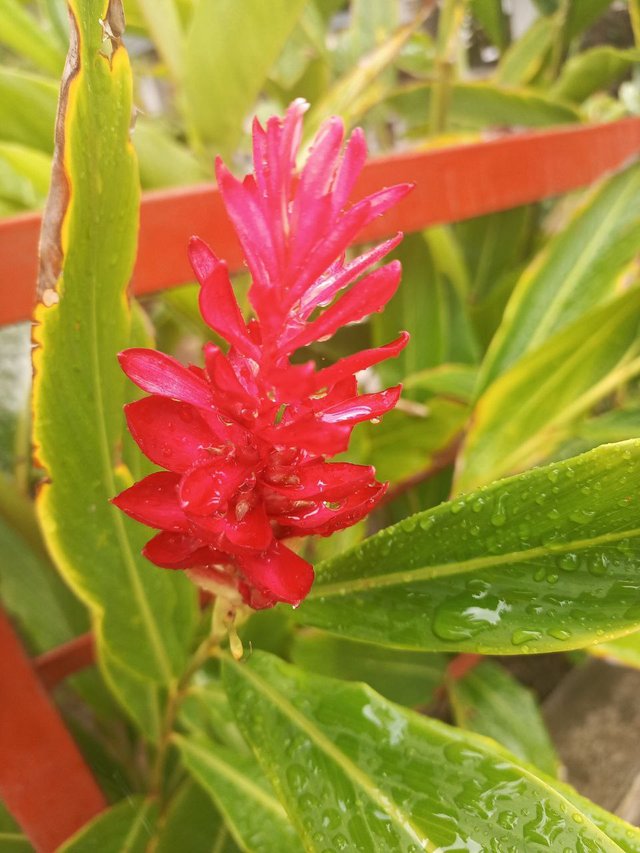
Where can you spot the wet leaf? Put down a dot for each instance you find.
(129, 826)
(360, 773)
(544, 561)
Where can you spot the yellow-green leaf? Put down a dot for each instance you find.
(143, 616)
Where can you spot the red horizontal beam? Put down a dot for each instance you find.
(54, 666)
(452, 184)
(44, 781)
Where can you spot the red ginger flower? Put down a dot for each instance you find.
(244, 440)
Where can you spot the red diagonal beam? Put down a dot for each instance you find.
(452, 184)
(44, 781)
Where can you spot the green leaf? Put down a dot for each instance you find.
(230, 48)
(164, 26)
(410, 678)
(584, 13)
(193, 819)
(592, 71)
(523, 60)
(27, 109)
(547, 390)
(455, 381)
(164, 162)
(490, 15)
(623, 650)
(143, 616)
(578, 269)
(241, 792)
(544, 561)
(129, 826)
(356, 90)
(489, 701)
(22, 33)
(404, 444)
(45, 609)
(140, 698)
(481, 105)
(399, 780)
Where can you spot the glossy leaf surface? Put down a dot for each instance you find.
(578, 269)
(192, 818)
(129, 826)
(229, 50)
(358, 772)
(410, 678)
(143, 616)
(522, 416)
(489, 701)
(544, 561)
(235, 782)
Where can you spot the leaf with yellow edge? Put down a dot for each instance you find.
(143, 617)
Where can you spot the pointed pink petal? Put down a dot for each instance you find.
(154, 502)
(382, 200)
(250, 225)
(323, 520)
(352, 364)
(352, 164)
(208, 487)
(224, 378)
(325, 252)
(310, 434)
(180, 551)
(367, 296)
(253, 531)
(161, 374)
(328, 480)
(218, 303)
(362, 408)
(323, 291)
(278, 572)
(171, 434)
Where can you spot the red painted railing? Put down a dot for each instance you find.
(43, 780)
(452, 183)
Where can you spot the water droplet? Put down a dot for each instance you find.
(540, 574)
(582, 516)
(458, 506)
(478, 504)
(499, 516)
(524, 635)
(559, 633)
(569, 562)
(553, 514)
(553, 475)
(552, 578)
(598, 565)
(427, 522)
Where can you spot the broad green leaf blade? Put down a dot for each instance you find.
(140, 698)
(545, 561)
(489, 701)
(192, 818)
(22, 33)
(164, 162)
(522, 61)
(409, 678)
(241, 792)
(623, 650)
(129, 826)
(143, 616)
(524, 415)
(452, 381)
(230, 48)
(27, 109)
(592, 71)
(398, 780)
(34, 595)
(578, 269)
(491, 16)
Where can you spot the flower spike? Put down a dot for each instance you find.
(244, 442)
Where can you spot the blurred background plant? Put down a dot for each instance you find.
(497, 306)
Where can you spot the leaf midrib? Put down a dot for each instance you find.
(407, 576)
(349, 768)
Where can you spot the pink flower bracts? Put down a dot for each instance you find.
(244, 440)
